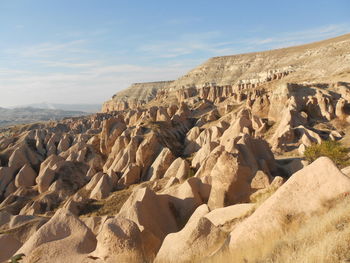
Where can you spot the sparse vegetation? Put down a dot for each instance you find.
(263, 194)
(16, 258)
(191, 172)
(108, 206)
(331, 149)
(340, 124)
(322, 238)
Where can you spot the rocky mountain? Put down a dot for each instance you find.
(30, 115)
(315, 61)
(89, 108)
(136, 94)
(327, 61)
(208, 168)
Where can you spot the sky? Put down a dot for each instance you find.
(84, 51)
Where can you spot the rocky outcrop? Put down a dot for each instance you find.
(9, 246)
(64, 232)
(136, 95)
(186, 197)
(179, 169)
(26, 176)
(318, 183)
(197, 240)
(230, 182)
(247, 70)
(170, 169)
(102, 188)
(160, 165)
(153, 215)
(130, 176)
(111, 129)
(119, 240)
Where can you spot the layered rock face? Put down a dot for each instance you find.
(179, 171)
(300, 63)
(136, 95)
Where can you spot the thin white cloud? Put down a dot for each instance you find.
(299, 37)
(47, 49)
(65, 73)
(208, 42)
(183, 45)
(95, 85)
(71, 65)
(6, 71)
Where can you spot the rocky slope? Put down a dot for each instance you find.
(323, 61)
(301, 63)
(136, 95)
(182, 174)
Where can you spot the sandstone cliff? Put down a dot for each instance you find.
(136, 95)
(321, 61)
(302, 63)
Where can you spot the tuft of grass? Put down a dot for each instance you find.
(109, 206)
(16, 258)
(323, 237)
(263, 194)
(191, 172)
(331, 149)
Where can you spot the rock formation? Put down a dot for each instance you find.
(181, 171)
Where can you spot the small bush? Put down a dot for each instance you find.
(331, 149)
(191, 173)
(16, 258)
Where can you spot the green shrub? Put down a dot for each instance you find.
(331, 149)
(16, 258)
(191, 173)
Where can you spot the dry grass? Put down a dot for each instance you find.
(108, 206)
(263, 194)
(332, 149)
(340, 124)
(325, 237)
(346, 138)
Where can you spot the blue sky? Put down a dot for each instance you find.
(84, 51)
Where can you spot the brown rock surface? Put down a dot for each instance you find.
(147, 152)
(185, 198)
(130, 176)
(102, 188)
(318, 183)
(26, 176)
(119, 241)
(161, 150)
(9, 246)
(151, 212)
(160, 165)
(64, 232)
(230, 182)
(197, 240)
(224, 215)
(179, 169)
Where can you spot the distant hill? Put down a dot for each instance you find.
(90, 108)
(29, 115)
(324, 61)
